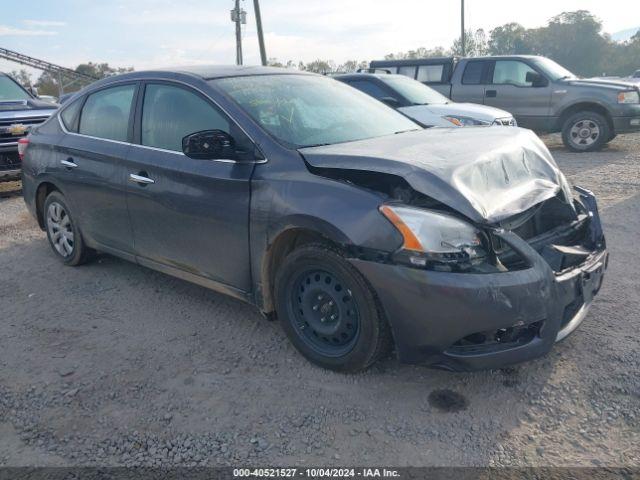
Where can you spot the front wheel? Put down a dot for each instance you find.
(586, 132)
(328, 310)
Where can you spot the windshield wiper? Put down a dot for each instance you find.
(407, 130)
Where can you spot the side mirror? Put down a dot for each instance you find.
(390, 101)
(33, 91)
(209, 145)
(536, 80)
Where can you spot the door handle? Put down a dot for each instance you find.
(69, 163)
(140, 179)
(492, 93)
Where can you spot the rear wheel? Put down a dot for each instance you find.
(328, 310)
(63, 233)
(586, 132)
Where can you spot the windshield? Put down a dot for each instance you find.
(308, 110)
(10, 90)
(553, 70)
(414, 91)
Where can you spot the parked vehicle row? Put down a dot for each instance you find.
(541, 94)
(465, 248)
(423, 104)
(20, 110)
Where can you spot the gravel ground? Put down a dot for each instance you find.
(114, 364)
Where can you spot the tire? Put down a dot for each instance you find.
(329, 311)
(63, 233)
(586, 132)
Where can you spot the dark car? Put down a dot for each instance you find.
(466, 248)
(19, 111)
(541, 94)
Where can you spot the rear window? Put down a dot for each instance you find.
(106, 113)
(473, 73)
(369, 88)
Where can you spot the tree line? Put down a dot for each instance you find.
(573, 39)
(47, 84)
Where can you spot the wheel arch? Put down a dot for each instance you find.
(286, 239)
(43, 189)
(585, 106)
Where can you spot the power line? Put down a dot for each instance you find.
(61, 73)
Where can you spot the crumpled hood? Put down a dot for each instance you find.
(487, 174)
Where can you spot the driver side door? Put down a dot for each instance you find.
(510, 89)
(190, 217)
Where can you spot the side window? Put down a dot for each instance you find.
(512, 72)
(370, 88)
(407, 71)
(170, 113)
(473, 73)
(430, 73)
(69, 116)
(106, 113)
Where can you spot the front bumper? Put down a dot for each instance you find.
(627, 119)
(10, 165)
(529, 310)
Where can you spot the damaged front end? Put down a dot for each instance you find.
(500, 258)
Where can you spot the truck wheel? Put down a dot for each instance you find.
(328, 310)
(585, 132)
(63, 233)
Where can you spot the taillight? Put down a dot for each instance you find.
(23, 143)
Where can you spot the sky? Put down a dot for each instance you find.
(154, 33)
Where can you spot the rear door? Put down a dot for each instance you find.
(510, 90)
(469, 87)
(192, 215)
(91, 164)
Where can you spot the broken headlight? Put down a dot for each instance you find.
(435, 240)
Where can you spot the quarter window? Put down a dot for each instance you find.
(106, 113)
(170, 113)
(70, 116)
(430, 73)
(512, 72)
(473, 73)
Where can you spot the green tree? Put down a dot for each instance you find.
(22, 76)
(475, 44)
(319, 66)
(508, 39)
(573, 39)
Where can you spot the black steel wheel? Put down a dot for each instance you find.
(326, 314)
(329, 311)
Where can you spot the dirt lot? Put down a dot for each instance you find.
(111, 363)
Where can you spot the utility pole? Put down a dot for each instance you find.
(462, 33)
(263, 52)
(238, 16)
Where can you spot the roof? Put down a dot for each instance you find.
(356, 75)
(208, 72)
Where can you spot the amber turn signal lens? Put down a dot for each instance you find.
(410, 240)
